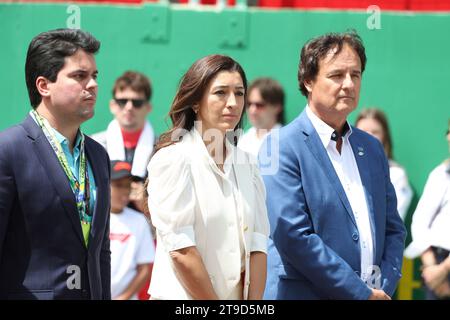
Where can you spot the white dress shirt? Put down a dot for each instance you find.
(431, 220)
(347, 170)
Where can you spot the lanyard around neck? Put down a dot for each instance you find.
(80, 187)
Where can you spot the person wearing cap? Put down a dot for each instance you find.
(130, 136)
(335, 229)
(132, 247)
(429, 230)
(54, 180)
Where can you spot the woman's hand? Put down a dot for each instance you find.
(443, 290)
(434, 275)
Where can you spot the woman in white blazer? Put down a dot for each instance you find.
(206, 197)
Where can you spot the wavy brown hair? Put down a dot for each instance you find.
(190, 91)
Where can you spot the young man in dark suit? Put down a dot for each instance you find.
(54, 180)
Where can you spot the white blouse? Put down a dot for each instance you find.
(193, 203)
(431, 220)
(403, 191)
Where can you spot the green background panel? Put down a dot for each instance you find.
(407, 72)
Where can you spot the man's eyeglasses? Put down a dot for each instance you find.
(258, 105)
(137, 103)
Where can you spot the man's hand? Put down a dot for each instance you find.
(379, 295)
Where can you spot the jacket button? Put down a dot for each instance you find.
(355, 236)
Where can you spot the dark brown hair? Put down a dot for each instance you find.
(191, 90)
(380, 117)
(135, 81)
(47, 54)
(272, 92)
(315, 49)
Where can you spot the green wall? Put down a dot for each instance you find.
(407, 73)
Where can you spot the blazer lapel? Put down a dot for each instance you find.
(55, 173)
(315, 145)
(364, 172)
(96, 166)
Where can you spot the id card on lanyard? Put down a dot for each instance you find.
(80, 187)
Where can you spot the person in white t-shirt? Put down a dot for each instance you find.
(132, 246)
(265, 109)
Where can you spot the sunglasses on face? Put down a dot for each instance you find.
(137, 103)
(258, 105)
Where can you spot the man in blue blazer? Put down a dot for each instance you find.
(54, 180)
(335, 229)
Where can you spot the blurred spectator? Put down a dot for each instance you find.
(132, 247)
(430, 232)
(265, 109)
(374, 121)
(130, 137)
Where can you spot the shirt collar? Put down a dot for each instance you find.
(202, 149)
(326, 133)
(61, 139)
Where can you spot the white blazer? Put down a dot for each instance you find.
(192, 203)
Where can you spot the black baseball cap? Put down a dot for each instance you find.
(120, 169)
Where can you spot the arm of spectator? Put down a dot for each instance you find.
(142, 275)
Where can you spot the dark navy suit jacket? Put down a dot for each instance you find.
(314, 250)
(42, 251)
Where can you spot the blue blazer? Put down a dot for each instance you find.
(42, 251)
(314, 250)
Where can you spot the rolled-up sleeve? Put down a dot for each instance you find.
(260, 234)
(171, 198)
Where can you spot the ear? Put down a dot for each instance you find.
(308, 85)
(278, 108)
(113, 107)
(42, 85)
(149, 107)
